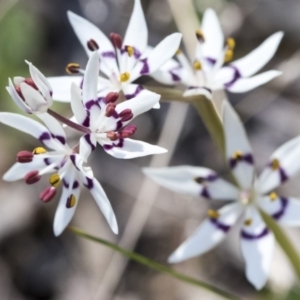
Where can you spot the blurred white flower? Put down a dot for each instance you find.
(33, 95)
(122, 61)
(64, 163)
(212, 69)
(107, 121)
(252, 195)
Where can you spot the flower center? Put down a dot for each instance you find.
(246, 197)
(124, 77)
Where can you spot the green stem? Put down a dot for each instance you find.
(154, 265)
(284, 243)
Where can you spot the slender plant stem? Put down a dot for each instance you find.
(68, 122)
(284, 243)
(154, 265)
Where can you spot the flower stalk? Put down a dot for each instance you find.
(154, 265)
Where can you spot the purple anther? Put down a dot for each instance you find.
(48, 194)
(32, 177)
(116, 40)
(24, 157)
(126, 115)
(128, 131)
(92, 45)
(113, 135)
(111, 97)
(110, 110)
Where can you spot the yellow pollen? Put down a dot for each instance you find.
(273, 196)
(237, 155)
(228, 55)
(200, 35)
(130, 50)
(71, 201)
(72, 68)
(275, 164)
(230, 43)
(213, 214)
(178, 52)
(39, 150)
(248, 222)
(197, 65)
(54, 180)
(124, 77)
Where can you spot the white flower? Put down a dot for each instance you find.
(32, 95)
(64, 163)
(211, 69)
(252, 195)
(106, 121)
(122, 62)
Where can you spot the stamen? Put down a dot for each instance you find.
(126, 115)
(275, 165)
(113, 135)
(71, 201)
(273, 196)
(200, 36)
(199, 180)
(110, 110)
(124, 77)
(73, 68)
(197, 65)
(248, 222)
(129, 50)
(230, 43)
(24, 157)
(116, 40)
(48, 194)
(237, 155)
(39, 150)
(54, 180)
(213, 214)
(32, 177)
(30, 82)
(92, 45)
(178, 52)
(111, 97)
(228, 55)
(128, 131)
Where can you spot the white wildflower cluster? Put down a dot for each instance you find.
(104, 100)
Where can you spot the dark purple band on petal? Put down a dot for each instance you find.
(109, 54)
(175, 77)
(250, 236)
(211, 60)
(60, 138)
(89, 183)
(236, 75)
(119, 125)
(73, 160)
(283, 206)
(205, 192)
(283, 176)
(145, 69)
(46, 161)
(75, 184)
(220, 225)
(86, 121)
(138, 89)
(88, 140)
(248, 158)
(45, 136)
(120, 144)
(89, 104)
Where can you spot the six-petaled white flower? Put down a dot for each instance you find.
(33, 95)
(252, 195)
(122, 62)
(211, 69)
(66, 165)
(106, 121)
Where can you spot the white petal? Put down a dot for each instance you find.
(209, 234)
(288, 157)
(182, 179)
(194, 91)
(78, 162)
(213, 35)
(33, 98)
(285, 211)
(255, 60)
(236, 140)
(129, 148)
(101, 199)
(78, 109)
(90, 80)
(62, 85)
(64, 215)
(16, 98)
(159, 55)
(28, 126)
(86, 31)
(137, 32)
(246, 84)
(257, 244)
(87, 144)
